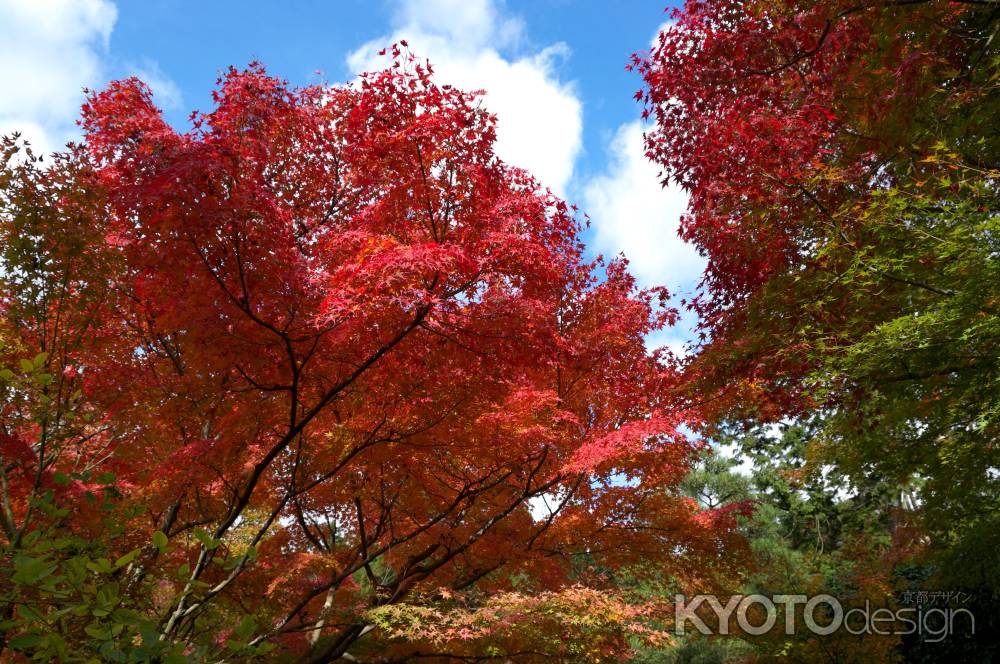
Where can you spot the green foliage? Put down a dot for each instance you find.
(812, 531)
(66, 600)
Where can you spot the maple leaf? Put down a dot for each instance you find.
(329, 348)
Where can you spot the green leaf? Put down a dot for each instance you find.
(246, 627)
(206, 540)
(29, 613)
(101, 566)
(160, 540)
(127, 558)
(32, 570)
(98, 633)
(25, 642)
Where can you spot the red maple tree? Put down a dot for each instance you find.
(782, 120)
(328, 349)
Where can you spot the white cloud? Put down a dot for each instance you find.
(540, 117)
(745, 465)
(467, 25)
(632, 214)
(49, 51)
(166, 94)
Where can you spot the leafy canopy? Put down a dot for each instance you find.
(303, 370)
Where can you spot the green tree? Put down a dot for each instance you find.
(843, 161)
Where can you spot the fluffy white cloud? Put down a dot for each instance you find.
(49, 51)
(540, 117)
(166, 93)
(632, 214)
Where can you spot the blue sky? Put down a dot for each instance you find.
(554, 72)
